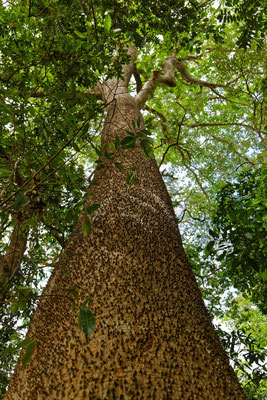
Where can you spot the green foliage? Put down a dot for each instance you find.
(28, 345)
(239, 233)
(249, 16)
(248, 357)
(53, 52)
(245, 342)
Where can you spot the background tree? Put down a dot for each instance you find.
(239, 234)
(203, 130)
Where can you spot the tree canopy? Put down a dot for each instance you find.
(209, 138)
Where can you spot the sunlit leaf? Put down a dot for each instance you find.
(107, 23)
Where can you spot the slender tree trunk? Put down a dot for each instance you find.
(154, 338)
(10, 261)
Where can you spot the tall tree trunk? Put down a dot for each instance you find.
(154, 338)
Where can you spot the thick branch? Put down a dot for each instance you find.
(128, 69)
(185, 74)
(138, 80)
(167, 79)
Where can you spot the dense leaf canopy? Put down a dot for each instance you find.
(209, 136)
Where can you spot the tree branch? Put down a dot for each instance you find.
(219, 139)
(198, 181)
(191, 216)
(57, 233)
(162, 118)
(189, 78)
(167, 79)
(138, 80)
(212, 273)
(10, 262)
(128, 69)
(226, 98)
(223, 124)
(176, 143)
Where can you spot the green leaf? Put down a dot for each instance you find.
(130, 177)
(100, 166)
(212, 233)
(31, 110)
(119, 166)
(25, 343)
(86, 226)
(263, 274)
(20, 345)
(147, 132)
(109, 155)
(77, 45)
(209, 247)
(147, 149)
(149, 121)
(138, 122)
(85, 128)
(117, 141)
(86, 321)
(26, 358)
(90, 209)
(73, 307)
(107, 23)
(98, 151)
(20, 201)
(131, 133)
(133, 179)
(80, 34)
(4, 173)
(128, 142)
(76, 147)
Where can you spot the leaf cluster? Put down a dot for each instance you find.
(239, 233)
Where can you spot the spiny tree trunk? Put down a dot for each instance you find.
(154, 338)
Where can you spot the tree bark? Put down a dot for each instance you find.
(10, 261)
(154, 338)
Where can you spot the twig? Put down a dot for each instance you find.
(212, 273)
(93, 12)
